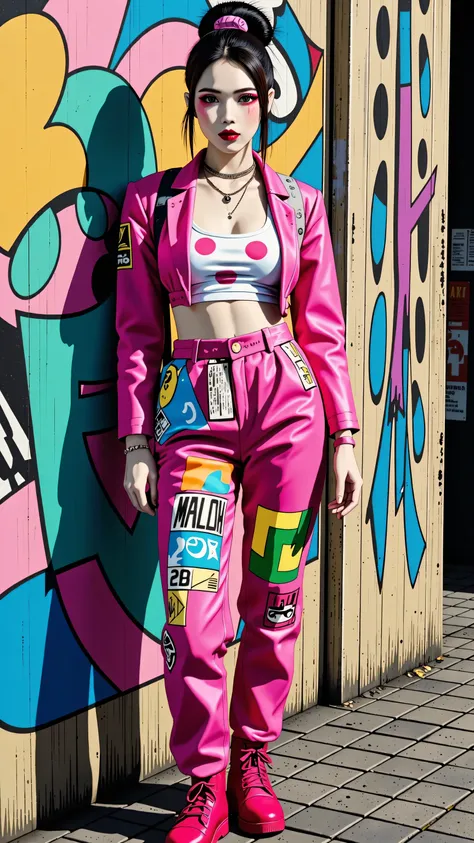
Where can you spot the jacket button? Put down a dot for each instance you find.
(300, 231)
(236, 347)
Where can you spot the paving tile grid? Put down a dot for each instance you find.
(396, 765)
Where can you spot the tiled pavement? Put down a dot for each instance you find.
(398, 766)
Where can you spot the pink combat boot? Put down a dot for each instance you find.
(205, 819)
(249, 789)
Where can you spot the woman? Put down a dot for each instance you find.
(241, 405)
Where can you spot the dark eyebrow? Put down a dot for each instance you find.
(238, 91)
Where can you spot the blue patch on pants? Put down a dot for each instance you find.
(178, 408)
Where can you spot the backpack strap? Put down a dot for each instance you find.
(165, 192)
(296, 202)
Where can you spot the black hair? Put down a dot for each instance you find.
(246, 48)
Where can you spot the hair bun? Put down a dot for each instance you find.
(258, 24)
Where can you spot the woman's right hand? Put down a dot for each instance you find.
(140, 469)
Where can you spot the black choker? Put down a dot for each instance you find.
(228, 175)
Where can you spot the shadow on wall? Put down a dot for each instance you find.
(102, 580)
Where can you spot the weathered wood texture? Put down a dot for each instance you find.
(391, 71)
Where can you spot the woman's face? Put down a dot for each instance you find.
(227, 107)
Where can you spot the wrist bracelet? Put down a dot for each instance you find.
(134, 448)
(344, 440)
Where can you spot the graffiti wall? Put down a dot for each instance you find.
(92, 99)
(391, 210)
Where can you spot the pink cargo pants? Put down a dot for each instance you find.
(242, 412)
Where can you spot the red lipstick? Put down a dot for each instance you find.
(229, 135)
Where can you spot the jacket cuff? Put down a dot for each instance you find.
(343, 421)
(133, 428)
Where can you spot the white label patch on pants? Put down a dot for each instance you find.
(193, 579)
(219, 390)
(305, 374)
(161, 425)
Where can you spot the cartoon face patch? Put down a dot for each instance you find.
(178, 408)
(280, 610)
(277, 544)
(169, 384)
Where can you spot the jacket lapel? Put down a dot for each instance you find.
(285, 223)
(179, 217)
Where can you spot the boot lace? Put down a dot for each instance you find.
(198, 797)
(253, 765)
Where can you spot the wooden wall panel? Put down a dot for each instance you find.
(438, 256)
(390, 106)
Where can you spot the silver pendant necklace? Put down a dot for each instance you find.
(227, 197)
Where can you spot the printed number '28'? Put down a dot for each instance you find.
(180, 579)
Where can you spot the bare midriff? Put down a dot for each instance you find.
(224, 319)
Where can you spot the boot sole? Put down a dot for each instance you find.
(261, 828)
(255, 828)
(221, 831)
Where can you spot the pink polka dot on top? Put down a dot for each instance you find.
(226, 276)
(205, 246)
(256, 250)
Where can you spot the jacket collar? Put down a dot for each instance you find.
(187, 176)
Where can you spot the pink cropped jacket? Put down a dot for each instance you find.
(308, 278)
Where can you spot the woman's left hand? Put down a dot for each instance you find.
(348, 481)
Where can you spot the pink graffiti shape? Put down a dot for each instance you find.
(92, 388)
(162, 47)
(315, 56)
(124, 653)
(23, 552)
(409, 214)
(106, 454)
(90, 29)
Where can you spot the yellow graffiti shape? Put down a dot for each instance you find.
(286, 152)
(39, 161)
(164, 105)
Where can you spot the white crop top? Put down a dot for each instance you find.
(227, 267)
